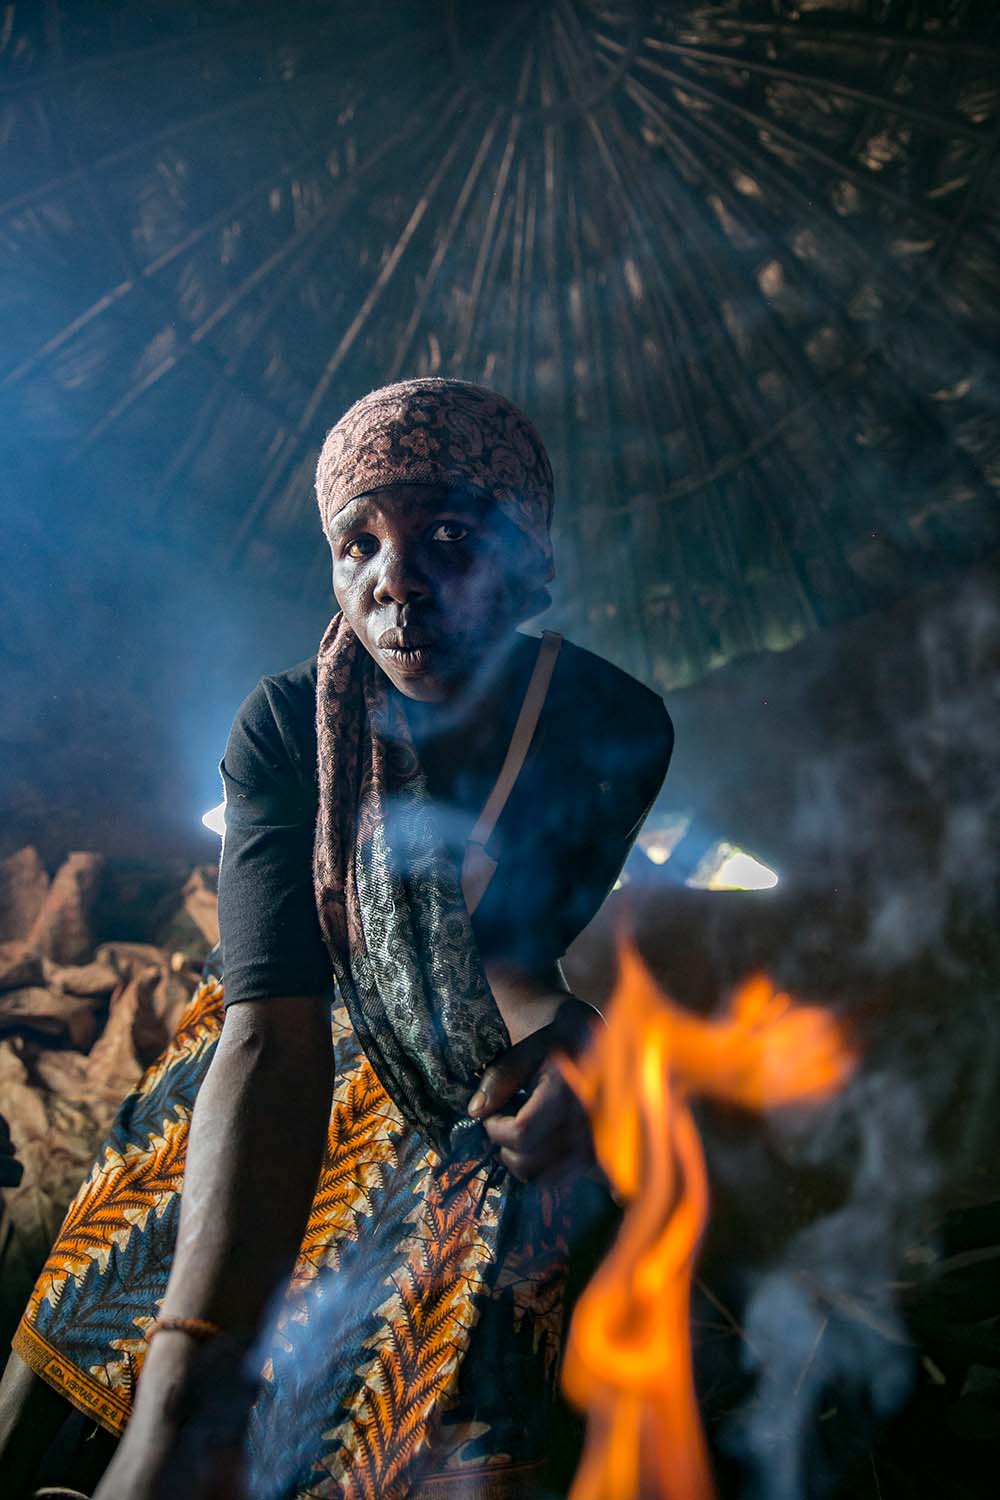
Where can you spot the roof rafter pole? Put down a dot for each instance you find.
(126, 57)
(763, 166)
(492, 268)
(580, 87)
(555, 177)
(972, 471)
(97, 204)
(780, 347)
(530, 241)
(268, 182)
(207, 413)
(598, 373)
(293, 270)
(496, 200)
(132, 57)
(383, 278)
(936, 123)
(850, 174)
(311, 239)
(775, 337)
(671, 325)
(878, 40)
(444, 245)
(691, 623)
(155, 138)
(514, 329)
(168, 132)
(677, 570)
(293, 439)
(728, 465)
(578, 581)
(749, 415)
(570, 50)
(728, 393)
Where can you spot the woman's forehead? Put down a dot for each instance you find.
(395, 500)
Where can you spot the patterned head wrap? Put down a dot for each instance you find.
(432, 431)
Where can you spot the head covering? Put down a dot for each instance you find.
(433, 431)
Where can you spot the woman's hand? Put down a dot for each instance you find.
(548, 1137)
(185, 1437)
(152, 1470)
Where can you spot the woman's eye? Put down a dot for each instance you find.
(449, 531)
(360, 546)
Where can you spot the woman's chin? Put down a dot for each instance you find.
(422, 681)
(424, 689)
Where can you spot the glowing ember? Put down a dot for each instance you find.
(628, 1360)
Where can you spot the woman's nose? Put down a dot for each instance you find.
(399, 580)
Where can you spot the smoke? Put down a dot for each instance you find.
(825, 1350)
(901, 811)
(287, 1417)
(909, 810)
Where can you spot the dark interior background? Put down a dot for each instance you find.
(741, 263)
(738, 261)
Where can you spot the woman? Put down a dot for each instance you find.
(418, 823)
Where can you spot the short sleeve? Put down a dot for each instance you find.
(271, 939)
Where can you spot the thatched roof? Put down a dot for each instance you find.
(739, 259)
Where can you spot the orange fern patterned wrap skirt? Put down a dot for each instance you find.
(417, 1349)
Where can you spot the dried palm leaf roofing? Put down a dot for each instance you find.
(739, 261)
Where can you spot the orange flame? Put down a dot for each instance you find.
(628, 1359)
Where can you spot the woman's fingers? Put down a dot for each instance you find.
(548, 1133)
(569, 1032)
(548, 1166)
(514, 1070)
(538, 1117)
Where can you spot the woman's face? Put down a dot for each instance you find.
(429, 579)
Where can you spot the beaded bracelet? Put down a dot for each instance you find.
(199, 1329)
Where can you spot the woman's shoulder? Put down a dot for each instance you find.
(291, 694)
(287, 697)
(597, 696)
(276, 722)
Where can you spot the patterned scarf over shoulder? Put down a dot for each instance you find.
(387, 891)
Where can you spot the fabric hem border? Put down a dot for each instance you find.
(82, 1391)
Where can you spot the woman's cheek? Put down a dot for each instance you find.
(346, 580)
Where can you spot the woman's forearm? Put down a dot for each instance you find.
(254, 1154)
(527, 1002)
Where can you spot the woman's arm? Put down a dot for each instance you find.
(526, 1001)
(254, 1154)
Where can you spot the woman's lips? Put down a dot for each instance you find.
(409, 651)
(413, 657)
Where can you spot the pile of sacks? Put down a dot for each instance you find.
(78, 1025)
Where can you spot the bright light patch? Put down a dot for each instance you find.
(660, 842)
(215, 819)
(728, 868)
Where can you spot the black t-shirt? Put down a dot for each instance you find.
(596, 762)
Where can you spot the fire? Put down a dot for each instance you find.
(628, 1359)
